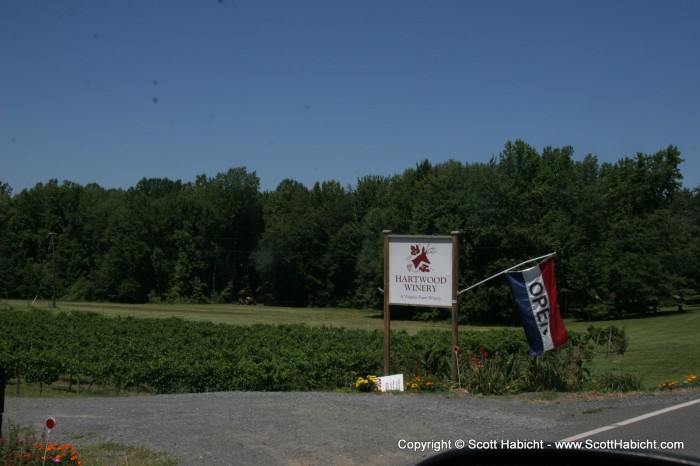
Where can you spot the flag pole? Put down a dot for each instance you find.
(546, 256)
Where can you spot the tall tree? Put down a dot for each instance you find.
(230, 227)
(289, 245)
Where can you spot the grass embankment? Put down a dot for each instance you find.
(115, 454)
(24, 445)
(661, 347)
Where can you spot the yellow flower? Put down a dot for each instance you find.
(668, 385)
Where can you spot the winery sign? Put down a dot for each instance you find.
(420, 270)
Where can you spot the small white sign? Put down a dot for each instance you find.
(390, 383)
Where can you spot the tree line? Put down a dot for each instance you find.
(626, 234)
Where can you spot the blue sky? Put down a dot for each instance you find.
(113, 91)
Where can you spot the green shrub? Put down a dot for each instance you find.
(614, 382)
(489, 374)
(616, 337)
(560, 370)
(175, 356)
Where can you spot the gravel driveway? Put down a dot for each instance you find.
(322, 428)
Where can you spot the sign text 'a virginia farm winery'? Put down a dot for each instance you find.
(420, 271)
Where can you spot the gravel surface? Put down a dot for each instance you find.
(322, 428)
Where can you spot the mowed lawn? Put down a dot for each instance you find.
(662, 347)
(242, 314)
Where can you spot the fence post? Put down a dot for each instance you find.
(2, 396)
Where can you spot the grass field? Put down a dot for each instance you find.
(662, 347)
(241, 314)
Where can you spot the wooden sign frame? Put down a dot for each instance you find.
(427, 278)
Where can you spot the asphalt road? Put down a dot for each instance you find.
(671, 429)
(336, 428)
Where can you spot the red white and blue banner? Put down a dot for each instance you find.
(535, 293)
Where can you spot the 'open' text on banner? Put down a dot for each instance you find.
(535, 293)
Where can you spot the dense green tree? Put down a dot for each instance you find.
(288, 246)
(627, 235)
(373, 213)
(331, 271)
(230, 226)
(634, 250)
(6, 276)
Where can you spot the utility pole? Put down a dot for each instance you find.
(53, 269)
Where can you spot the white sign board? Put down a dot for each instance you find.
(390, 383)
(420, 270)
